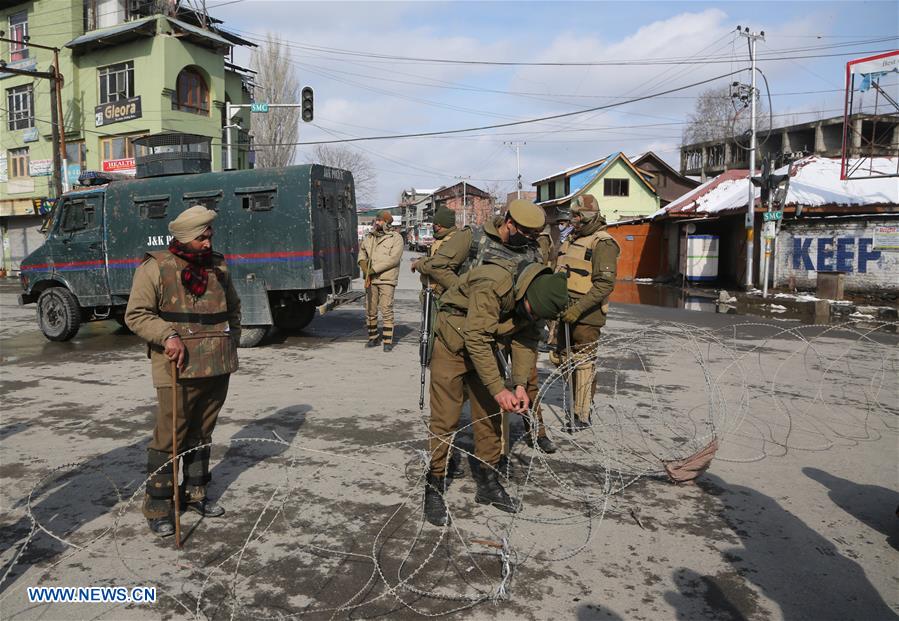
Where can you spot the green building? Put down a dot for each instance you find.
(130, 68)
(621, 190)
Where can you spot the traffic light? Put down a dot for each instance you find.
(306, 101)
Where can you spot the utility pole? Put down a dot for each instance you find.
(752, 37)
(55, 76)
(464, 198)
(517, 146)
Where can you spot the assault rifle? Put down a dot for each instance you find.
(424, 341)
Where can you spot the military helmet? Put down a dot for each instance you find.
(584, 204)
(546, 292)
(527, 214)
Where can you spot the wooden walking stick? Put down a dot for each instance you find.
(177, 508)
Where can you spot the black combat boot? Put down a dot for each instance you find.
(491, 492)
(454, 469)
(158, 500)
(544, 445)
(162, 527)
(504, 467)
(435, 507)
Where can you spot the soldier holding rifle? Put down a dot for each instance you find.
(380, 254)
(184, 305)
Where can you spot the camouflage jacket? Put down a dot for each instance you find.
(209, 325)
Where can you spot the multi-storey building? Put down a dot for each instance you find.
(871, 136)
(129, 68)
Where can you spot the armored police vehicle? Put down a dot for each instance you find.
(288, 235)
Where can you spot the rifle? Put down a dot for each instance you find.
(504, 416)
(568, 384)
(424, 341)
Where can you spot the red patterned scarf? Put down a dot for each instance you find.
(194, 277)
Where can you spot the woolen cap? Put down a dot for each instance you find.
(548, 295)
(527, 214)
(386, 217)
(445, 217)
(191, 223)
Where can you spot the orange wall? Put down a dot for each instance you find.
(641, 250)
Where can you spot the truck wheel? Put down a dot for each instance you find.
(58, 314)
(251, 336)
(294, 317)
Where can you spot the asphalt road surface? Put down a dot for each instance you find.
(318, 458)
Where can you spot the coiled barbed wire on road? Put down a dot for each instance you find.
(663, 392)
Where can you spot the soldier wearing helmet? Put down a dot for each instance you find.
(489, 308)
(589, 259)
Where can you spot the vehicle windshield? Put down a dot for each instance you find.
(50, 219)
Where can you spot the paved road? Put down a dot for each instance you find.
(317, 459)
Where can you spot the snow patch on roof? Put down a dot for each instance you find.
(814, 182)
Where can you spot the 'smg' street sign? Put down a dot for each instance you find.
(260, 106)
(770, 216)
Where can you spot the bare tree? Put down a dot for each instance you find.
(717, 115)
(275, 132)
(339, 156)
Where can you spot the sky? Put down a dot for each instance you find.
(347, 52)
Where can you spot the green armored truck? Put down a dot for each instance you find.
(288, 235)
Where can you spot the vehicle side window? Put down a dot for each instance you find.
(152, 207)
(208, 199)
(257, 199)
(77, 216)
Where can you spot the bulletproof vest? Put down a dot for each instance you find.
(576, 260)
(486, 249)
(201, 322)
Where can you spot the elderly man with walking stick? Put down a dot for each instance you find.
(183, 304)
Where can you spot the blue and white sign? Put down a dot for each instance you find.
(833, 245)
(30, 135)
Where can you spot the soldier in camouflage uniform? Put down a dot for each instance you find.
(589, 258)
(184, 305)
(491, 307)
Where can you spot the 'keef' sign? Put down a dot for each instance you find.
(118, 111)
(840, 254)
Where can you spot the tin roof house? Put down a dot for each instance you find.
(622, 190)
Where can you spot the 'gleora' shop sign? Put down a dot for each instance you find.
(117, 111)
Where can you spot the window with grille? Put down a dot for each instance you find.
(257, 199)
(616, 187)
(20, 107)
(18, 31)
(17, 162)
(78, 215)
(116, 82)
(191, 93)
(153, 209)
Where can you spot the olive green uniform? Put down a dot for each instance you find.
(380, 254)
(445, 258)
(487, 246)
(590, 259)
(209, 326)
(475, 316)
